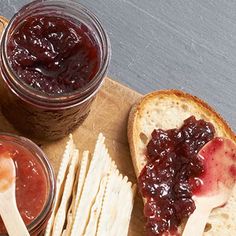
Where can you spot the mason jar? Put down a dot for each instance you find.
(38, 114)
(35, 181)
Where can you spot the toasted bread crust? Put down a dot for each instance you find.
(137, 111)
(171, 107)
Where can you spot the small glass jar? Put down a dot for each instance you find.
(38, 225)
(37, 114)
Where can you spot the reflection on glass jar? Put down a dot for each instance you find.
(35, 182)
(54, 57)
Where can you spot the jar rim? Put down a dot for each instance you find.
(79, 94)
(41, 156)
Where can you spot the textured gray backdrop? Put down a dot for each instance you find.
(158, 44)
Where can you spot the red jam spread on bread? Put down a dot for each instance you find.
(31, 182)
(172, 174)
(54, 54)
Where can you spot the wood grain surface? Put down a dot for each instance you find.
(109, 114)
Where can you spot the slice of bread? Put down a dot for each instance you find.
(168, 109)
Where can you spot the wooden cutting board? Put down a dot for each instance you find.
(108, 115)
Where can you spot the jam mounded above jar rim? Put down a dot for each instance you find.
(53, 54)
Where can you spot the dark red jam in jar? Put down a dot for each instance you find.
(172, 174)
(54, 58)
(53, 54)
(35, 182)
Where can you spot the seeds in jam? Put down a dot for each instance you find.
(53, 54)
(171, 174)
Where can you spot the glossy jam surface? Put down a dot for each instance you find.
(171, 174)
(31, 183)
(219, 166)
(53, 54)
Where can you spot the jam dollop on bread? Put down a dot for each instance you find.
(171, 174)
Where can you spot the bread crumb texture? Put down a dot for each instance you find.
(223, 219)
(167, 110)
(167, 113)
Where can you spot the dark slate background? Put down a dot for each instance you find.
(182, 44)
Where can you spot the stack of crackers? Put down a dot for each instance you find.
(92, 197)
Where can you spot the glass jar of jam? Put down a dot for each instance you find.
(54, 57)
(35, 182)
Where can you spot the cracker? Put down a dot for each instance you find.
(91, 228)
(108, 214)
(62, 210)
(82, 175)
(69, 218)
(117, 206)
(77, 189)
(124, 213)
(66, 158)
(99, 167)
(101, 198)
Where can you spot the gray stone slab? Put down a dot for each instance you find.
(182, 44)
